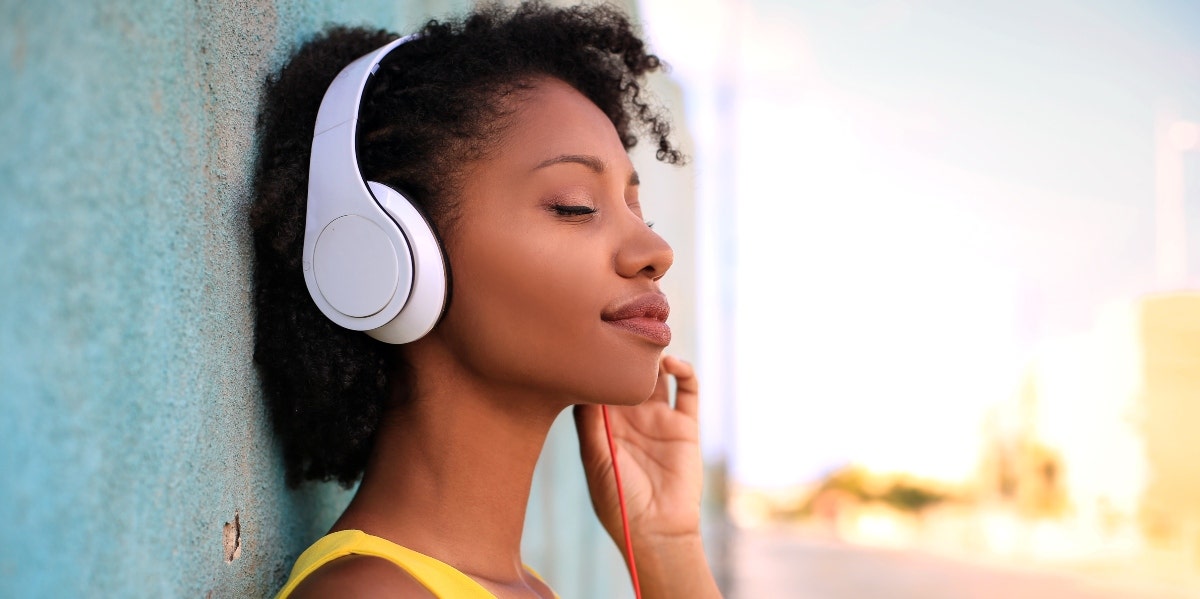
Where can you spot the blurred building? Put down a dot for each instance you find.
(1169, 415)
(1101, 434)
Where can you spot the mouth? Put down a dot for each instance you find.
(644, 316)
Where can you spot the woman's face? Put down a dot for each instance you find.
(555, 271)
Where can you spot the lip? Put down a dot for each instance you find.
(644, 315)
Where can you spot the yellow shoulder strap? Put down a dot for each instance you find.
(440, 578)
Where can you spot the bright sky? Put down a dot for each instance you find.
(923, 190)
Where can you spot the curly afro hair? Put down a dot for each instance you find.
(436, 103)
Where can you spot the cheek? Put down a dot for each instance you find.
(526, 311)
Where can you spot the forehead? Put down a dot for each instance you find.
(552, 119)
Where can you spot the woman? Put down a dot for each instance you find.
(509, 131)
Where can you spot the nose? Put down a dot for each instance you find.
(643, 253)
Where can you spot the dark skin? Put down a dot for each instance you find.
(549, 240)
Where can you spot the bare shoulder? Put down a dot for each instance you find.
(360, 576)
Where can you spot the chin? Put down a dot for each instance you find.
(627, 384)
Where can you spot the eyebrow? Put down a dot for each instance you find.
(593, 164)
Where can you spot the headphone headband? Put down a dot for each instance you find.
(344, 96)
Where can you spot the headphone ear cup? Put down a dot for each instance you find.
(358, 268)
(426, 297)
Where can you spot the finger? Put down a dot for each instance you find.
(687, 388)
(662, 388)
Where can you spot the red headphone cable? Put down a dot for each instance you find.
(612, 450)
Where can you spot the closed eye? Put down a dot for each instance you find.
(565, 210)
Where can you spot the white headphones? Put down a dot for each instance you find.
(371, 260)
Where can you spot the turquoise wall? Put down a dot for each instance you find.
(132, 426)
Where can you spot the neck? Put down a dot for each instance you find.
(450, 473)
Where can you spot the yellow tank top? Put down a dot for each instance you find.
(437, 576)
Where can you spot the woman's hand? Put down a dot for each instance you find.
(658, 455)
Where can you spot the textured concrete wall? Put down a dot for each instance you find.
(132, 426)
(133, 435)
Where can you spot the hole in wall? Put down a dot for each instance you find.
(233, 538)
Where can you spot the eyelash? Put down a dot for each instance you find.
(565, 210)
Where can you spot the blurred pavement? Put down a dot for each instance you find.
(776, 563)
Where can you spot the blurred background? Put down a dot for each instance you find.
(938, 263)
(948, 267)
